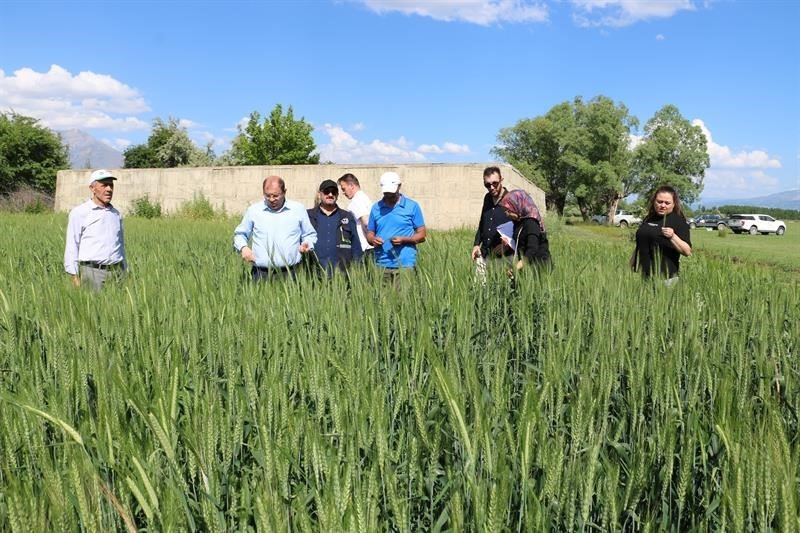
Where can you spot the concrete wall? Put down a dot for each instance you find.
(450, 194)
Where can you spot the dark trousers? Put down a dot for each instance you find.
(278, 274)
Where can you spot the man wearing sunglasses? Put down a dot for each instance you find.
(337, 237)
(487, 240)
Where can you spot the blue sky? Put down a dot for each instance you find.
(414, 80)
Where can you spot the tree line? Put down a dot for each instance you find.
(585, 154)
(588, 154)
(774, 212)
(279, 139)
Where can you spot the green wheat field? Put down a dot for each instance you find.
(187, 398)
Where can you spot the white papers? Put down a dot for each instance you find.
(506, 232)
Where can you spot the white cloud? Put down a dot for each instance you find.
(482, 12)
(343, 147)
(660, 37)
(218, 144)
(118, 144)
(618, 13)
(188, 124)
(723, 157)
(737, 173)
(358, 126)
(62, 100)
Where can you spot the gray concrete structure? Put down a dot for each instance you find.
(450, 194)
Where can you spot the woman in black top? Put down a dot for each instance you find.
(532, 247)
(663, 236)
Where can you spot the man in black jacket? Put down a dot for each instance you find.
(337, 238)
(487, 240)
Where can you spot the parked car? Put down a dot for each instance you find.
(756, 223)
(708, 221)
(621, 218)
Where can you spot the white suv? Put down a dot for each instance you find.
(755, 224)
(621, 218)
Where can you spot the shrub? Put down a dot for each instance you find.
(145, 208)
(26, 200)
(199, 208)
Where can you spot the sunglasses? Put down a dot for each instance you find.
(330, 192)
(491, 184)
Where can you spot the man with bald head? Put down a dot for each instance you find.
(280, 232)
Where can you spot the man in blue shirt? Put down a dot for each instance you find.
(337, 238)
(395, 227)
(280, 232)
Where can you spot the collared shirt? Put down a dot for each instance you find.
(276, 234)
(337, 244)
(400, 220)
(360, 205)
(94, 233)
(492, 215)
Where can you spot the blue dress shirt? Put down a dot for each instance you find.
(276, 234)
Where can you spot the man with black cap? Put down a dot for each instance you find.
(337, 236)
(95, 248)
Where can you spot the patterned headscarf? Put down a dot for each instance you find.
(521, 204)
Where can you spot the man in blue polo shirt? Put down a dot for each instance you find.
(395, 227)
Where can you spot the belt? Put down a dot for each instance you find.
(100, 266)
(290, 268)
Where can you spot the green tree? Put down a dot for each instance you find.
(601, 155)
(672, 151)
(30, 154)
(577, 152)
(279, 140)
(537, 147)
(168, 146)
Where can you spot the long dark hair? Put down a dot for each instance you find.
(676, 200)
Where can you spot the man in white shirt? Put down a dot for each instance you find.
(95, 248)
(360, 205)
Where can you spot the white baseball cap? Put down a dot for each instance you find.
(390, 182)
(101, 174)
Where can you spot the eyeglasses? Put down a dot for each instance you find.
(330, 192)
(491, 184)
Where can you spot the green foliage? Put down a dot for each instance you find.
(578, 151)
(189, 399)
(30, 154)
(145, 208)
(672, 152)
(783, 214)
(279, 140)
(168, 146)
(199, 208)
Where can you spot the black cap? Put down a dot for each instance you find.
(328, 184)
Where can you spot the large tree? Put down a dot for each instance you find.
(601, 155)
(167, 146)
(279, 140)
(672, 152)
(30, 154)
(578, 150)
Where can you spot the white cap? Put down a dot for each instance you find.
(101, 174)
(390, 182)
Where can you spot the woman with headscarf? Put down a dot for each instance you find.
(532, 247)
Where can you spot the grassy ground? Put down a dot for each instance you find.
(778, 255)
(187, 398)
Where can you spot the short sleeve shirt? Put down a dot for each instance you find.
(401, 220)
(360, 206)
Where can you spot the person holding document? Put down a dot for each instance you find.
(528, 237)
(395, 227)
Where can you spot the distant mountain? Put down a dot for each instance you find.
(86, 151)
(781, 200)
